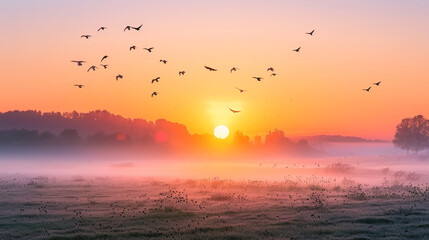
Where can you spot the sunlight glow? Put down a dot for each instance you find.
(221, 132)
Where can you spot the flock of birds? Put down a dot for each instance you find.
(181, 73)
(369, 88)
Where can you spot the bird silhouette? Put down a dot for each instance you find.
(367, 89)
(310, 33)
(241, 90)
(79, 63)
(119, 76)
(182, 73)
(155, 80)
(133, 48)
(127, 28)
(258, 78)
(104, 66)
(137, 28)
(234, 69)
(79, 85)
(234, 111)
(85, 36)
(273, 74)
(92, 67)
(102, 28)
(154, 94)
(210, 69)
(104, 58)
(163, 61)
(297, 50)
(148, 49)
(377, 83)
(270, 69)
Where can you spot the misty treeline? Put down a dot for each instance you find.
(100, 129)
(412, 134)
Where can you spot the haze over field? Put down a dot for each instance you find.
(164, 119)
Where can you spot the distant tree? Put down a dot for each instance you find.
(412, 134)
(47, 137)
(241, 140)
(98, 138)
(69, 136)
(23, 137)
(276, 138)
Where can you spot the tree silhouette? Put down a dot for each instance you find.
(412, 134)
(69, 136)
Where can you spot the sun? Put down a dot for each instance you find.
(221, 132)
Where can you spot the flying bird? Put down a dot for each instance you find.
(155, 80)
(163, 61)
(92, 67)
(119, 76)
(182, 73)
(127, 28)
(148, 49)
(210, 69)
(367, 89)
(310, 33)
(297, 50)
(79, 85)
(104, 58)
(270, 69)
(85, 36)
(273, 74)
(137, 28)
(234, 69)
(377, 83)
(241, 90)
(133, 48)
(104, 66)
(102, 28)
(258, 78)
(154, 94)
(79, 63)
(234, 111)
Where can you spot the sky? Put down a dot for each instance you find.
(316, 91)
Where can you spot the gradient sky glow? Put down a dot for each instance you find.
(317, 91)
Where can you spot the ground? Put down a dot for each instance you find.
(110, 208)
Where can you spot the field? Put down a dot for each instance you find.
(146, 208)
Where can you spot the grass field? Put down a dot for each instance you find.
(144, 208)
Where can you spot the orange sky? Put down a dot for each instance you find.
(317, 91)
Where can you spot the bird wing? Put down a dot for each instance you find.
(209, 68)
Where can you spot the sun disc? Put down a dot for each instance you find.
(221, 132)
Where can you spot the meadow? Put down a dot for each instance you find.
(299, 207)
